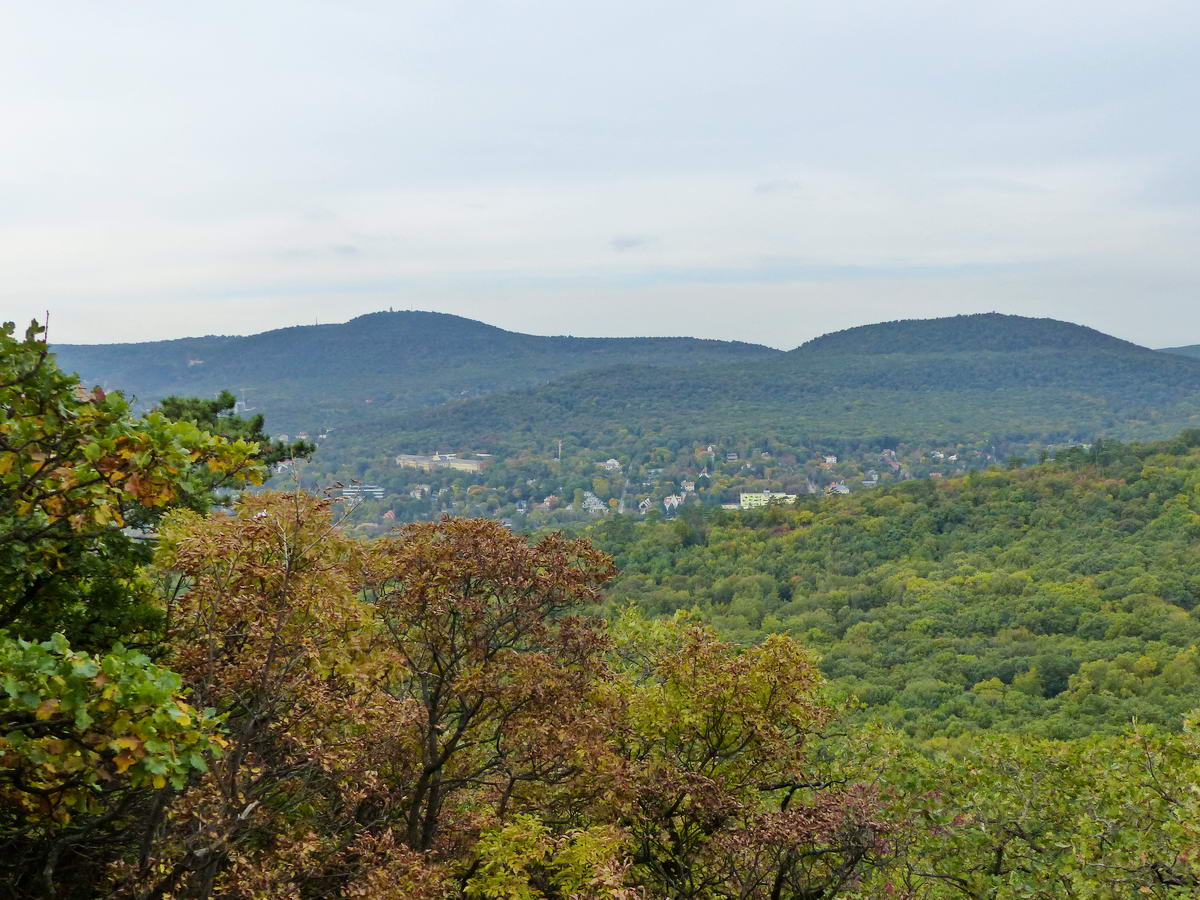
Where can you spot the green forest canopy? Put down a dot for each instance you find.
(1061, 599)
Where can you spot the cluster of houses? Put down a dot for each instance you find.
(651, 482)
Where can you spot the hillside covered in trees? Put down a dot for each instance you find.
(1189, 350)
(312, 377)
(1061, 599)
(245, 702)
(964, 378)
(414, 382)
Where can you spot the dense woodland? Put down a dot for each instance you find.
(1058, 600)
(923, 691)
(970, 378)
(1043, 393)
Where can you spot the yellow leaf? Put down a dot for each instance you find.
(159, 781)
(123, 761)
(46, 709)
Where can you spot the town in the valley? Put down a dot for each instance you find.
(564, 483)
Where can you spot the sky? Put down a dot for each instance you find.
(759, 171)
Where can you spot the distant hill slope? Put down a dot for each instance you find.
(1190, 350)
(965, 377)
(312, 376)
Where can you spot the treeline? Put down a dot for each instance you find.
(265, 708)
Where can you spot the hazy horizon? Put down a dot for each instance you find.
(767, 172)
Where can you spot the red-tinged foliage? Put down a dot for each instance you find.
(728, 800)
(270, 631)
(813, 849)
(511, 689)
(76, 466)
(428, 716)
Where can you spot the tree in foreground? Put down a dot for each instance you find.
(90, 728)
(268, 629)
(729, 798)
(75, 469)
(218, 417)
(430, 715)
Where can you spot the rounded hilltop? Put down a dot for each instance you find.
(963, 334)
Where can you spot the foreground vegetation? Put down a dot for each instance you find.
(268, 708)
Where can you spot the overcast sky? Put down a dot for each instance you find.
(752, 170)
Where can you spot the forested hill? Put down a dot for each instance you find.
(1189, 350)
(399, 381)
(961, 378)
(981, 332)
(317, 375)
(1059, 599)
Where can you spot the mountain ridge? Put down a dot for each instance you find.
(400, 360)
(408, 380)
(1036, 378)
